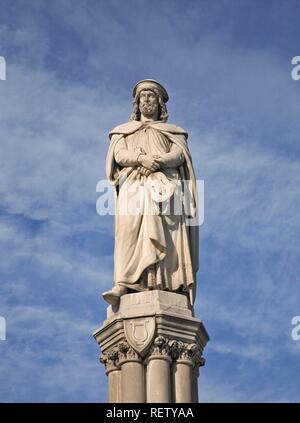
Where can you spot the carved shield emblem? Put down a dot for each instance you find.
(140, 333)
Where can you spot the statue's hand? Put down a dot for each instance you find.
(159, 160)
(143, 171)
(149, 162)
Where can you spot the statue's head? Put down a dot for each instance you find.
(150, 98)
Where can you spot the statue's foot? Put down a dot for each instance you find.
(113, 296)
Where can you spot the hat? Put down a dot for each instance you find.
(148, 84)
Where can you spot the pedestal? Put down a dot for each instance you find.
(152, 349)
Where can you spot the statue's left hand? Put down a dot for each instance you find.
(143, 171)
(146, 172)
(159, 159)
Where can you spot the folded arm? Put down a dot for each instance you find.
(125, 157)
(174, 158)
(137, 158)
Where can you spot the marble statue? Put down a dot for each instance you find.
(153, 251)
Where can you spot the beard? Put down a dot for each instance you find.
(148, 109)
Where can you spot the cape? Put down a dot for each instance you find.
(176, 135)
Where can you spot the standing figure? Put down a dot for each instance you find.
(149, 163)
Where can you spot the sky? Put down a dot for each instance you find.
(70, 70)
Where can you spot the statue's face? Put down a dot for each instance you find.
(148, 103)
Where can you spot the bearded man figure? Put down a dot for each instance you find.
(152, 250)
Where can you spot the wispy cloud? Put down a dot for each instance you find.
(69, 74)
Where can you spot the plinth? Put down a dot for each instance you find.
(152, 349)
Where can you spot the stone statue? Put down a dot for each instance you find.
(151, 342)
(153, 251)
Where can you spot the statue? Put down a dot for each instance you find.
(152, 250)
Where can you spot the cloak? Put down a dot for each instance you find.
(178, 136)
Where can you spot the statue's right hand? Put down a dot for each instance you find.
(149, 162)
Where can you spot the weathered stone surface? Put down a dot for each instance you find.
(151, 342)
(156, 202)
(160, 363)
(148, 303)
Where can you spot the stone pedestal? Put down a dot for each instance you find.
(152, 349)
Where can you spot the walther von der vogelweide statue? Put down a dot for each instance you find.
(150, 166)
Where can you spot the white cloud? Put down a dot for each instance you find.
(52, 351)
(242, 114)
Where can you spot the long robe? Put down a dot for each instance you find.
(153, 251)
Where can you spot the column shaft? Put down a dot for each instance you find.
(195, 385)
(182, 381)
(159, 380)
(114, 386)
(133, 382)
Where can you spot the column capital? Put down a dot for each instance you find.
(127, 353)
(160, 349)
(110, 359)
(182, 352)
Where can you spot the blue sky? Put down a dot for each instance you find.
(71, 66)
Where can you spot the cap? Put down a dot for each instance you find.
(147, 84)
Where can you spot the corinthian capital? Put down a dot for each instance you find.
(110, 359)
(160, 347)
(188, 352)
(127, 353)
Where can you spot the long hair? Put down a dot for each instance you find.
(162, 108)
